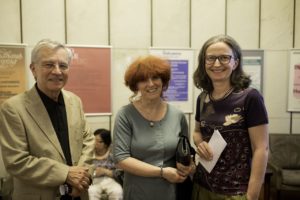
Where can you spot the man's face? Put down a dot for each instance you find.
(51, 70)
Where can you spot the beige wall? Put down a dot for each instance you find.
(132, 26)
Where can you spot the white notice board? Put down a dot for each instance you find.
(253, 65)
(180, 91)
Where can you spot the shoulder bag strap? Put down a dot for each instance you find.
(202, 99)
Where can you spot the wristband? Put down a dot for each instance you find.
(62, 190)
(161, 172)
(65, 189)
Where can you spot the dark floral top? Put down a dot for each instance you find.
(231, 116)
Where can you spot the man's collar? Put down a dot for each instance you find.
(47, 99)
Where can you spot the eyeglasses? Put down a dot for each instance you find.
(223, 59)
(52, 65)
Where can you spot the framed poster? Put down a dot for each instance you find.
(12, 70)
(294, 81)
(253, 62)
(89, 78)
(180, 91)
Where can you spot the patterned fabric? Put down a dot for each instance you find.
(106, 162)
(232, 116)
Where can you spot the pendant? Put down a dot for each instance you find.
(151, 123)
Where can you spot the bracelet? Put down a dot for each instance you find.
(161, 172)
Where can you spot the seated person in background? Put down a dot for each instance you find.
(104, 178)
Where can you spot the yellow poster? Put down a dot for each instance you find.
(12, 71)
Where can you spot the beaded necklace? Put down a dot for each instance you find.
(223, 97)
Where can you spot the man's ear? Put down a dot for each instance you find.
(32, 69)
(31, 66)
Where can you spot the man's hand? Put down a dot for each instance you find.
(75, 193)
(78, 178)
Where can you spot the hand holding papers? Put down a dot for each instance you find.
(218, 144)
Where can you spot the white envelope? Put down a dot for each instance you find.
(218, 144)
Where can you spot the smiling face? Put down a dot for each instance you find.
(51, 71)
(219, 71)
(150, 88)
(148, 76)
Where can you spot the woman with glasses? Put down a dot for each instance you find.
(230, 107)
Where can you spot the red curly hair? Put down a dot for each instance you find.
(144, 68)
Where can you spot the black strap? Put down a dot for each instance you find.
(68, 197)
(202, 99)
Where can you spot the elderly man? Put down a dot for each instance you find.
(46, 144)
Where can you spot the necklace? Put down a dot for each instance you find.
(223, 97)
(152, 116)
(151, 123)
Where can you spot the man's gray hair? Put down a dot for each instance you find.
(49, 44)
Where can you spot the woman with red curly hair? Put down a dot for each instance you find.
(146, 134)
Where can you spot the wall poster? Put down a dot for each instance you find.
(294, 81)
(253, 62)
(89, 78)
(180, 91)
(12, 70)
